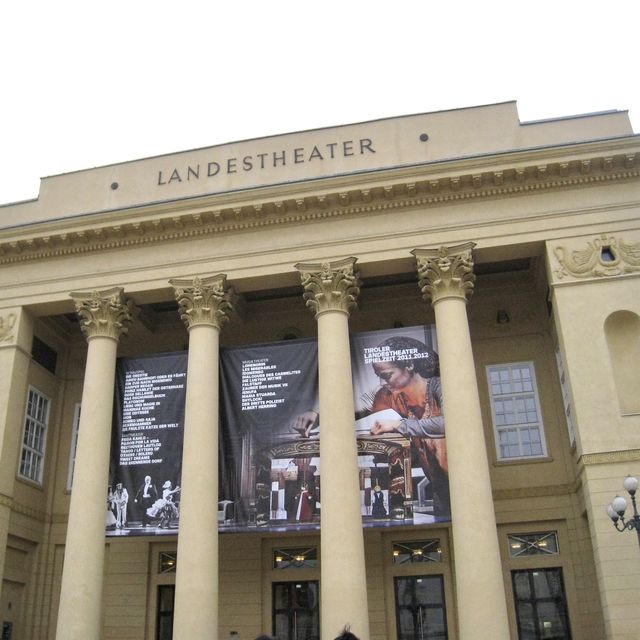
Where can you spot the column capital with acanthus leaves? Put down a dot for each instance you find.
(330, 286)
(103, 313)
(203, 301)
(446, 272)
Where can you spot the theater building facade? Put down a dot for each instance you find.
(383, 374)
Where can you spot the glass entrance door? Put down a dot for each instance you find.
(420, 608)
(296, 614)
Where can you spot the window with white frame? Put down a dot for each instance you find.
(34, 439)
(515, 409)
(74, 446)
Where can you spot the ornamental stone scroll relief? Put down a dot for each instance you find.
(605, 256)
(7, 325)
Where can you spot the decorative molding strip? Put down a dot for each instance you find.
(607, 457)
(534, 492)
(17, 507)
(232, 218)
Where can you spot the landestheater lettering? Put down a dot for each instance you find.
(268, 160)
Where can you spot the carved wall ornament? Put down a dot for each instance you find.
(330, 286)
(604, 256)
(203, 300)
(7, 324)
(103, 313)
(446, 272)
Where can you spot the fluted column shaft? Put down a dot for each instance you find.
(102, 317)
(203, 305)
(446, 277)
(330, 290)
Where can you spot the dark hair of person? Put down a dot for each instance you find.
(347, 635)
(428, 365)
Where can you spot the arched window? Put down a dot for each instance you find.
(622, 330)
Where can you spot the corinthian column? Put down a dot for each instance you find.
(203, 307)
(447, 279)
(330, 291)
(103, 315)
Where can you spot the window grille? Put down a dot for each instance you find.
(417, 551)
(295, 558)
(167, 562)
(533, 544)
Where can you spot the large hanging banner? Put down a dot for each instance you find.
(270, 426)
(400, 427)
(146, 444)
(269, 459)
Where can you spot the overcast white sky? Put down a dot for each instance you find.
(88, 83)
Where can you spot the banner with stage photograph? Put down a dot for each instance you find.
(270, 425)
(269, 445)
(146, 444)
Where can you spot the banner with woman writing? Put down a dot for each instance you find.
(398, 405)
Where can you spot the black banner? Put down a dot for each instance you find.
(269, 401)
(147, 443)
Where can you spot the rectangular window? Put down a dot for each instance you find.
(515, 409)
(44, 355)
(74, 446)
(34, 439)
(541, 604)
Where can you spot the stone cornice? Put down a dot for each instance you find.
(408, 188)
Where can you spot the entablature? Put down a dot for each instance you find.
(355, 195)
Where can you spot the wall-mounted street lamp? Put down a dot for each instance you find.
(619, 505)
